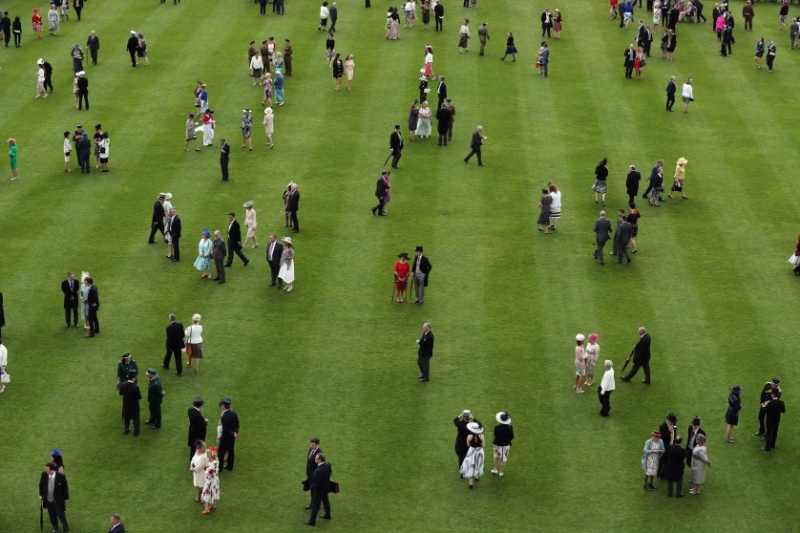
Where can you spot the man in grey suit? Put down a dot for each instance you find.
(219, 251)
(624, 232)
(602, 229)
(274, 252)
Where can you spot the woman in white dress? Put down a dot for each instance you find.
(84, 301)
(210, 494)
(4, 377)
(555, 206)
(592, 351)
(699, 462)
(198, 469)
(349, 68)
(250, 223)
(424, 122)
(472, 467)
(286, 272)
(194, 342)
(269, 125)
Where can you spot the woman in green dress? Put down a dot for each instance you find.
(12, 157)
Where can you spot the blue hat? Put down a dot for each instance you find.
(56, 452)
(225, 401)
(206, 233)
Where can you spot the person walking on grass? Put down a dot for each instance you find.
(544, 211)
(4, 375)
(475, 145)
(580, 364)
(641, 356)
(472, 467)
(463, 37)
(483, 36)
(699, 462)
(772, 50)
(555, 205)
(251, 224)
(194, 343)
(269, 125)
(349, 69)
(501, 446)
(40, 92)
(688, 94)
(602, 230)
(13, 158)
(511, 50)
(191, 133)
(247, 128)
(600, 186)
(607, 386)
(760, 49)
(732, 414)
(680, 174)
(337, 67)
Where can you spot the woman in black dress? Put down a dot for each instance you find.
(601, 175)
(413, 119)
(510, 48)
(338, 71)
(544, 213)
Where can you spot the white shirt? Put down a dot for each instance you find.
(3, 356)
(555, 206)
(257, 62)
(67, 146)
(688, 91)
(194, 334)
(429, 58)
(607, 384)
(323, 12)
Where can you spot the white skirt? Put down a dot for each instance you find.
(794, 259)
(473, 463)
(286, 273)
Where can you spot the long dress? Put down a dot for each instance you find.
(401, 275)
(85, 304)
(198, 468)
(349, 68)
(250, 223)
(211, 487)
(413, 118)
(394, 29)
(203, 261)
(472, 467)
(544, 214)
(463, 37)
(651, 457)
(699, 462)
(286, 273)
(424, 127)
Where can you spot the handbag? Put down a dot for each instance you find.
(188, 343)
(335, 487)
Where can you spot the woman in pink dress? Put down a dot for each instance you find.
(401, 269)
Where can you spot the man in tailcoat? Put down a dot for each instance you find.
(641, 357)
(174, 344)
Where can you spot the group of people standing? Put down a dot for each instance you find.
(470, 445)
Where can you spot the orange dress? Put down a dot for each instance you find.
(401, 275)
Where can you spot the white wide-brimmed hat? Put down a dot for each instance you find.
(580, 337)
(503, 417)
(475, 428)
(248, 204)
(287, 239)
(268, 111)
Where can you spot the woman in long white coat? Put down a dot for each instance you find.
(198, 469)
(286, 273)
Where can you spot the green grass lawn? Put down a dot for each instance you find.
(334, 358)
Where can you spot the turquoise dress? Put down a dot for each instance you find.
(12, 156)
(203, 261)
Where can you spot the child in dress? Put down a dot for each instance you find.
(67, 151)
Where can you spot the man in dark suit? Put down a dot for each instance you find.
(293, 206)
(441, 90)
(230, 432)
(443, 120)
(477, 142)
(48, 76)
(83, 90)
(674, 466)
(133, 45)
(157, 223)
(425, 352)
(174, 344)
(175, 235)
(224, 156)
(641, 357)
(602, 230)
(420, 269)
(93, 301)
(671, 88)
(53, 496)
(274, 252)
(622, 238)
(219, 252)
(669, 431)
(197, 425)
(130, 404)
(235, 240)
(691, 438)
(70, 289)
(116, 524)
(93, 44)
(766, 396)
(320, 487)
(84, 147)
(311, 465)
(438, 14)
(775, 408)
(462, 432)
(380, 193)
(396, 145)
(630, 60)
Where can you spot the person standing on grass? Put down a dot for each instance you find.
(653, 450)
(194, 342)
(774, 409)
(421, 267)
(286, 270)
(247, 128)
(501, 446)
(766, 396)
(600, 183)
(632, 184)
(727, 42)
(580, 364)
(463, 37)
(105, 147)
(67, 151)
(4, 375)
(413, 120)
(287, 56)
(83, 91)
(425, 352)
(699, 462)
(461, 422)
(53, 20)
(268, 86)
(191, 133)
(251, 224)
(472, 467)
(602, 230)
(760, 49)
(219, 253)
(48, 75)
(630, 60)
(141, 51)
(198, 425)
(633, 220)
(543, 58)
(224, 157)
(125, 368)
(40, 81)
(772, 50)
(668, 430)
(673, 467)
(544, 212)
(349, 69)
(688, 94)
(748, 13)
(17, 30)
(274, 253)
(198, 462)
(438, 15)
(256, 68)
(320, 486)
(131, 395)
(547, 22)
(175, 234)
(641, 356)
(337, 66)
(93, 44)
(692, 433)
(311, 465)
(71, 289)
(269, 125)
(607, 386)
(292, 206)
(784, 13)
(672, 43)
(155, 396)
(53, 495)
(203, 261)
(229, 424)
(483, 36)
(78, 5)
(159, 214)
(210, 492)
(278, 85)
(324, 13)
(592, 352)
(732, 414)
(680, 174)
(174, 345)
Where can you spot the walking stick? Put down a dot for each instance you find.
(391, 153)
(628, 360)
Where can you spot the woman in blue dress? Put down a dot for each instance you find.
(203, 261)
(732, 414)
(278, 85)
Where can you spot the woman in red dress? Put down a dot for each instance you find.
(36, 19)
(401, 269)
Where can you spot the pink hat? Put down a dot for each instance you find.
(592, 337)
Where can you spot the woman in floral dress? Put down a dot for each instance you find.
(210, 495)
(653, 448)
(424, 121)
(36, 20)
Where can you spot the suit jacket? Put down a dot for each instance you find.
(93, 297)
(220, 250)
(130, 399)
(158, 212)
(545, 59)
(443, 118)
(671, 88)
(175, 336)
(602, 227)
(83, 85)
(94, 44)
(426, 345)
(311, 462)
(666, 434)
(235, 234)
(230, 424)
(461, 435)
(424, 266)
(641, 352)
(624, 233)
(70, 295)
(133, 43)
(276, 254)
(396, 142)
(477, 140)
(84, 146)
(674, 462)
(294, 202)
(630, 57)
(197, 426)
(119, 528)
(632, 182)
(380, 187)
(224, 152)
(438, 10)
(321, 478)
(60, 491)
(774, 409)
(175, 227)
(441, 90)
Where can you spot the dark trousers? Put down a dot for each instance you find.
(318, 497)
(156, 227)
(380, 206)
(83, 97)
(605, 402)
(7, 37)
(94, 56)
(598, 253)
(725, 50)
(48, 82)
(670, 103)
(438, 24)
(74, 311)
(700, 15)
(274, 268)
(94, 324)
(476, 152)
(78, 12)
(56, 513)
(133, 57)
(17, 39)
(155, 414)
(636, 366)
(126, 424)
(623, 249)
(295, 223)
(333, 24)
(176, 248)
(629, 69)
(424, 364)
(546, 29)
(770, 60)
(762, 417)
(462, 454)
(277, 6)
(263, 7)
(223, 163)
(219, 262)
(84, 161)
(771, 437)
(226, 446)
(77, 64)
(748, 24)
(176, 352)
(679, 486)
(233, 248)
(443, 139)
(396, 155)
